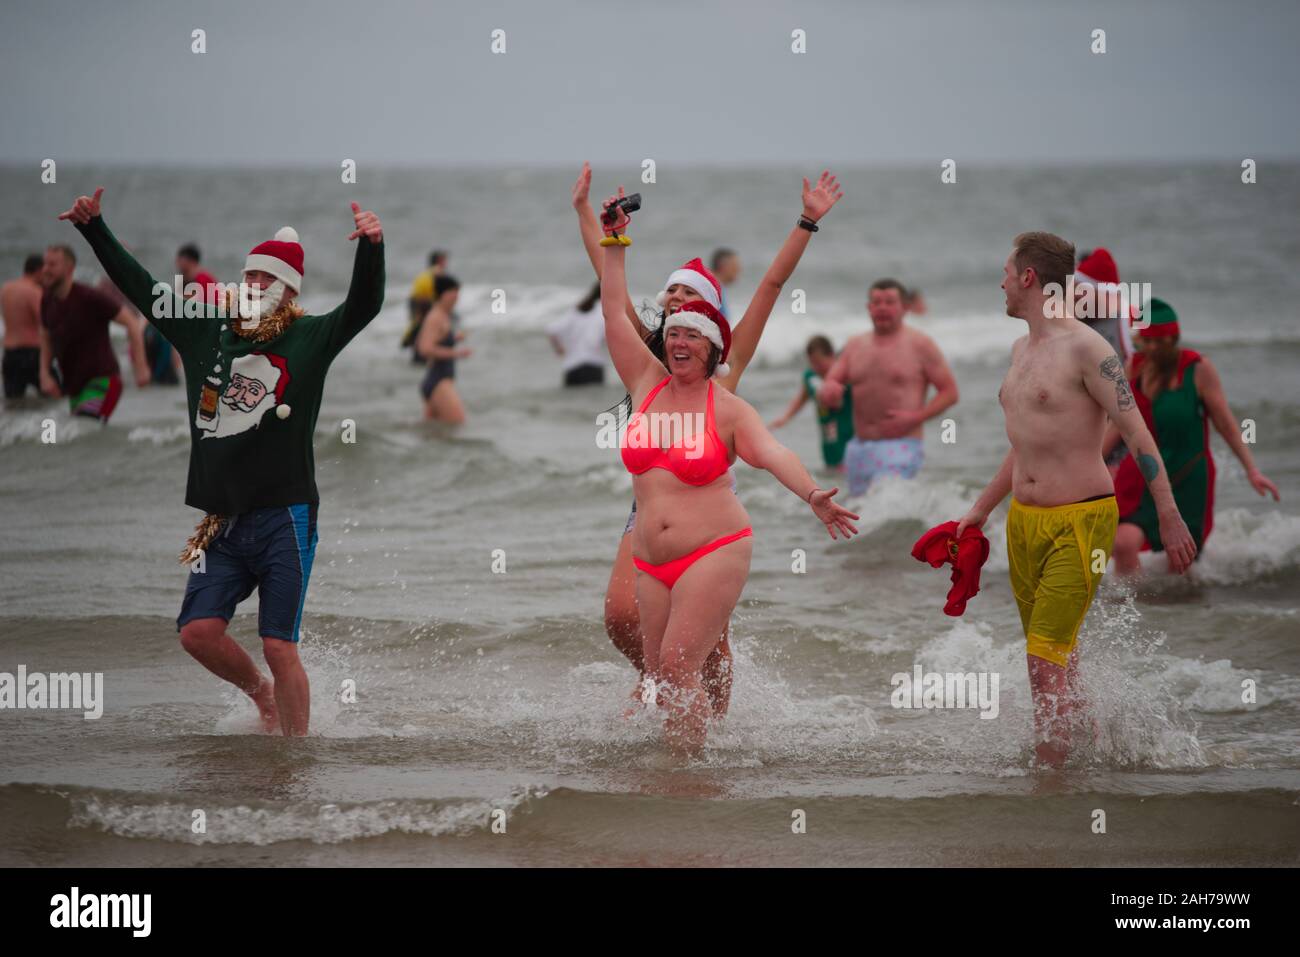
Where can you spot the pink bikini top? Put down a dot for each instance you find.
(689, 465)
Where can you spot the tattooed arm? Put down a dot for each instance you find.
(1103, 377)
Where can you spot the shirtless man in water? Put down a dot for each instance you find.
(1064, 382)
(890, 369)
(20, 309)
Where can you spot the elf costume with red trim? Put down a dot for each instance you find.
(1181, 428)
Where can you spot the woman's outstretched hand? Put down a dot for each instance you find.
(622, 222)
(582, 188)
(832, 514)
(818, 200)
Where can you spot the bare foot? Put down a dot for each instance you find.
(264, 698)
(641, 697)
(1051, 754)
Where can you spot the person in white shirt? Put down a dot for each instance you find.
(580, 338)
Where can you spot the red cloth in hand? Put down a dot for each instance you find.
(966, 555)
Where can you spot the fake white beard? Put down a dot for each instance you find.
(254, 304)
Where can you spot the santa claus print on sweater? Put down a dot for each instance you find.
(257, 384)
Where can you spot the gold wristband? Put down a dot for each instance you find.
(616, 241)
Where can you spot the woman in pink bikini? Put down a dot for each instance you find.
(694, 281)
(692, 541)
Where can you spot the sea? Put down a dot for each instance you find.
(467, 706)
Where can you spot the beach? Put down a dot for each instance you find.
(466, 702)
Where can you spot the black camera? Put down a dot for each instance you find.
(629, 205)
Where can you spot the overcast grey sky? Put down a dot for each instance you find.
(404, 82)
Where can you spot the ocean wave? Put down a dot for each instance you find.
(974, 336)
(164, 435)
(171, 817)
(34, 427)
(1244, 545)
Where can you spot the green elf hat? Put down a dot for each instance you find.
(1163, 320)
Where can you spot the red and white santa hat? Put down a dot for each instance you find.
(281, 257)
(696, 275)
(1099, 268)
(705, 319)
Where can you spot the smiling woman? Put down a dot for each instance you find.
(693, 281)
(692, 544)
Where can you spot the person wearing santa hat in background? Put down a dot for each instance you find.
(255, 368)
(1098, 276)
(1179, 393)
(694, 281)
(692, 543)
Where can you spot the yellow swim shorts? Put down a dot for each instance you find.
(1057, 556)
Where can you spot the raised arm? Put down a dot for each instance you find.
(366, 290)
(633, 359)
(156, 300)
(1103, 377)
(757, 446)
(590, 228)
(1210, 388)
(817, 201)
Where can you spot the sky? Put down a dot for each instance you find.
(399, 82)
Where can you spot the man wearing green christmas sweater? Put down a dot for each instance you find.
(255, 369)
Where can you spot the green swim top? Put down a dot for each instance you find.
(836, 424)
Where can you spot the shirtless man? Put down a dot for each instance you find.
(1064, 381)
(890, 369)
(20, 306)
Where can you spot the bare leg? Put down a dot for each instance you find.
(622, 621)
(700, 607)
(1129, 540)
(1053, 704)
(717, 675)
(444, 403)
(654, 600)
(623, 625)
(292, 693)
(207, 642)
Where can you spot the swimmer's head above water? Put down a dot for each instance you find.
(697, 340)
(886, 304)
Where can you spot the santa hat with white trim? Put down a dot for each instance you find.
(1098, 267)
(281, 257)
(705, 319)
(696, 275)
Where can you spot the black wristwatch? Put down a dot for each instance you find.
(808, 224)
